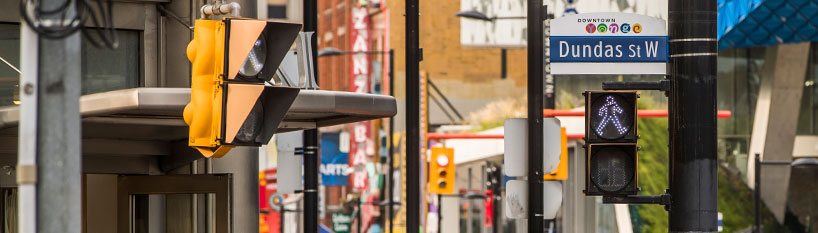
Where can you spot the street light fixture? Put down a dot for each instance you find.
(480, 16)
(332, 51)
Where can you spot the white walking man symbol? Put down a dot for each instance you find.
(610, 115)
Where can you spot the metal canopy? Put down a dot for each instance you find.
(754, 23)
(155, 114)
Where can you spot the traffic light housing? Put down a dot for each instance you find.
(494, 178)
(230, 105)
(611, 143)
(561, 173)
(441, 171)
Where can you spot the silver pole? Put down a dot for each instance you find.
(49, 168)
(27, 157)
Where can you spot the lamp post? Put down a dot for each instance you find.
(482, 17)
(332, 51)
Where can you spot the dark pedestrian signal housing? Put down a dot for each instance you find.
(611, 148)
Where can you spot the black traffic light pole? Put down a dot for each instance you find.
(311, 156)
(536, 13)
(692, 100)
(390, 184)
(413, 155)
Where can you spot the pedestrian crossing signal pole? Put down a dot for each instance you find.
(536, 15)
(692, 100)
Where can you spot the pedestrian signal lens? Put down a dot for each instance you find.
(612, 118)
(612, 168)
(255, 59)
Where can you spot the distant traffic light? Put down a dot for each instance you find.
(230, 104)
(441, 171)
(611, 147)
(494, 178)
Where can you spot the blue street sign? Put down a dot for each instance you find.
(609, 49)
(608, 43)
(334, 163)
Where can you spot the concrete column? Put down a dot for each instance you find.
(776, 119)
(242, 162)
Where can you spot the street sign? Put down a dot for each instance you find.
(516, 199)
(608, 43)
(341, 222)
(334, 163)
(289, 164)
(552, 198)
(515, 146)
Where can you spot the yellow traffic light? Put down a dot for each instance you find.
(561, 173)
(230, 105)
(441, 171)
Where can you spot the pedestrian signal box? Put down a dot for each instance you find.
(611, 143)
(230, 105)
(441, 171)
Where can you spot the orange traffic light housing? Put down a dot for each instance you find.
(441, 171)
(230, 105)
(561, 173)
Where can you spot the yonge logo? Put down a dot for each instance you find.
(613, 28)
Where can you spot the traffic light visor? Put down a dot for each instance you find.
(255, 48)
(253, 112)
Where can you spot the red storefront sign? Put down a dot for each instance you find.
(360, 132)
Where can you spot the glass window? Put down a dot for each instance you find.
(739, 77)
(102, 69)
(808, 115)
(107, 69)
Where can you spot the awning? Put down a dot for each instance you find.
(155, 114)
(753, 23)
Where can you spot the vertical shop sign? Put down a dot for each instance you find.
(360, 132)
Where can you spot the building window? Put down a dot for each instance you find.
(102, 69)
(277, 11)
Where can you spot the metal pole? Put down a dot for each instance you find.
(757, 196)
(413, 156)
(311, 156)
(503, 65)
(49, 169)
(439, 213)
(391, 182)
(281, 218)
(358, 216)
(535, 117)
(693, 183)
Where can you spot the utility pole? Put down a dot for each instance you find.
(311, 156)
(49, 169)
(692, 100)
(413, 150)
(535, 117)
(390, 185)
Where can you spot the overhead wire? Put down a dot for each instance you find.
(57, 24)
